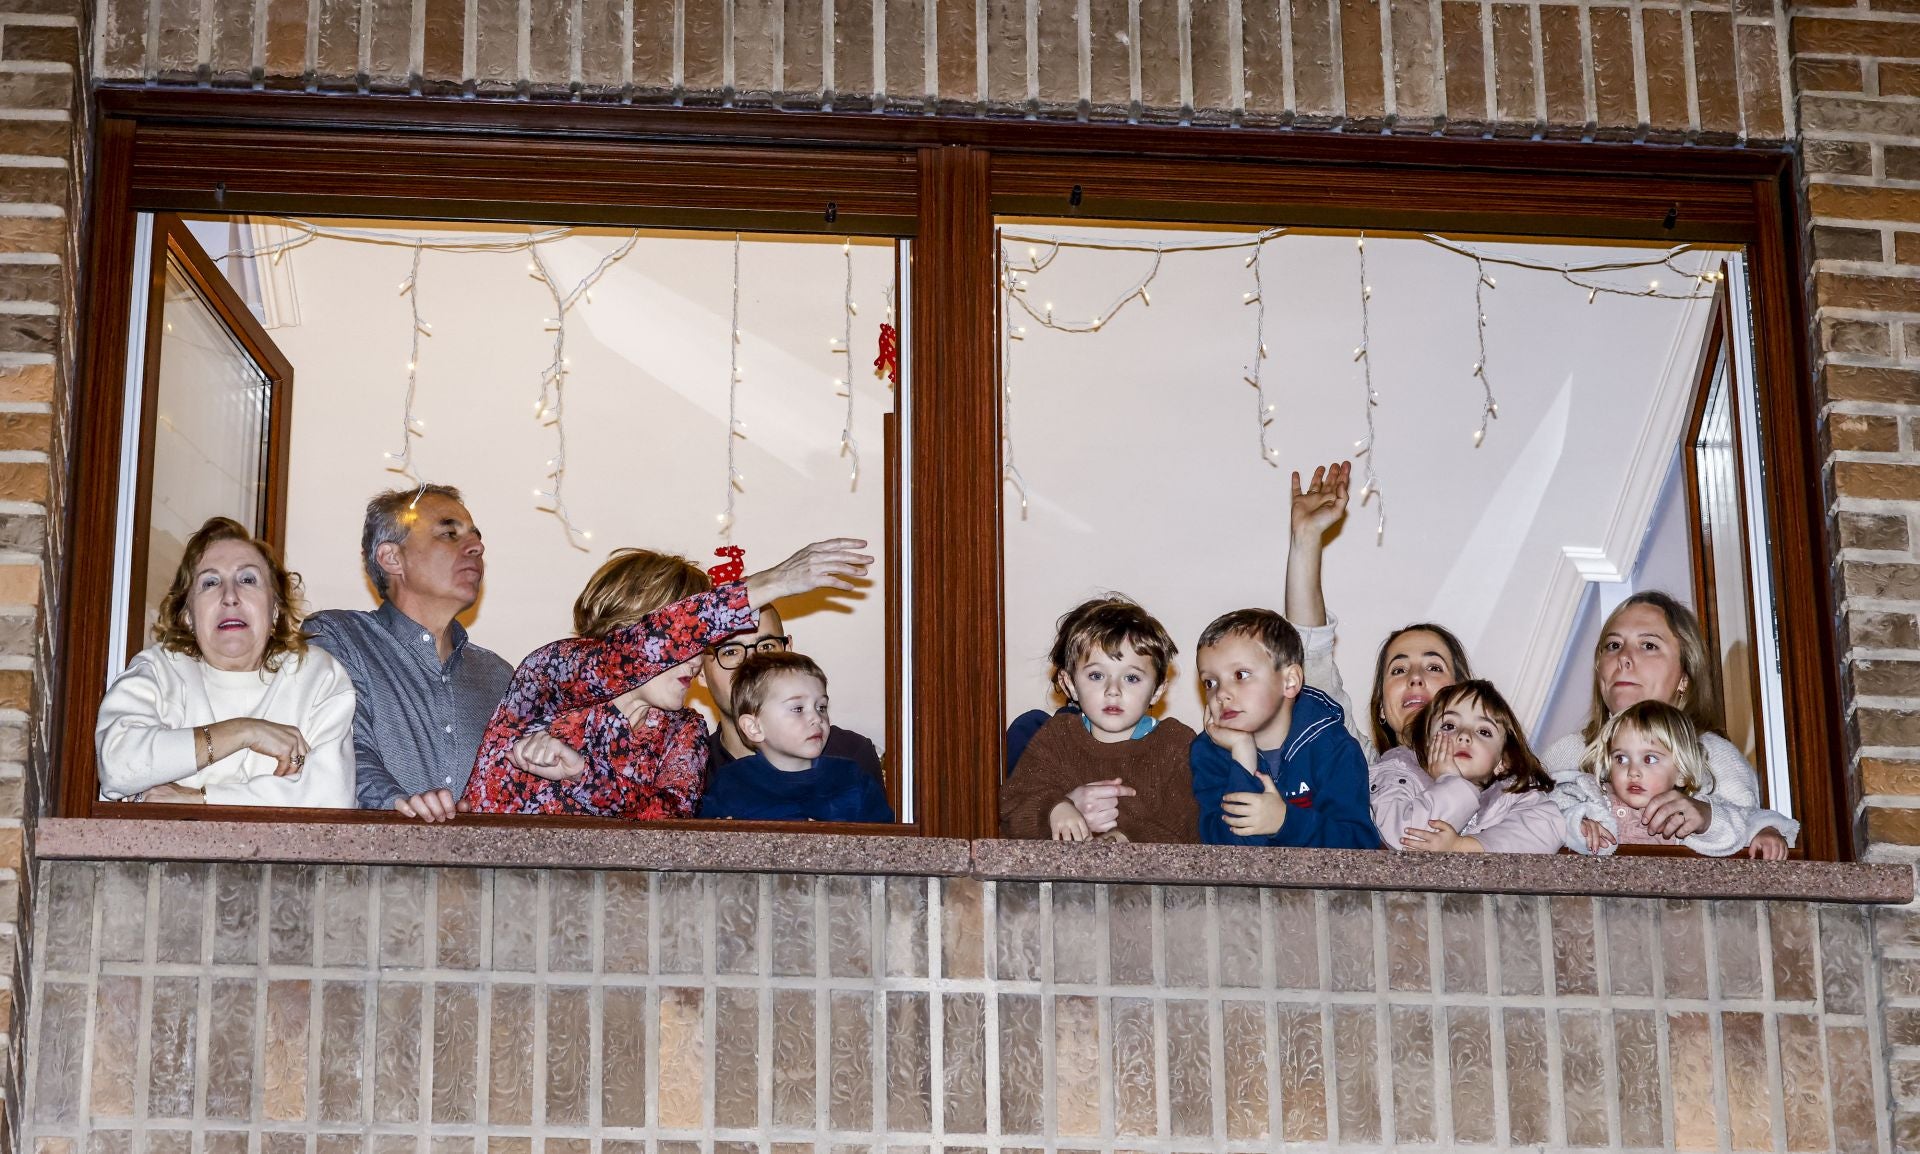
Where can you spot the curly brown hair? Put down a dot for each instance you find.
(174, 632)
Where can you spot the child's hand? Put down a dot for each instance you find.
(1320, 505)
(1099, 803)
(1598, 839)
(1438, 764)
(1768, 845)
(1238, 744)
(1438, 837)
(545, 755)
(1255, 814)
(1067, 824)
(1673, 814)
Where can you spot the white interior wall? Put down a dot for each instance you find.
(646, 411)
(1139, 447)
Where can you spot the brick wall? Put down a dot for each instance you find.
(42, 142)
(346, 1010)
(1842, 80)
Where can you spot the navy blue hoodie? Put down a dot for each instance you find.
(834, 789)
(1319, 769)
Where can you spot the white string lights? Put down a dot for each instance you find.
(849, 448)
(1009, 333)
(735, 482)
(1370, 485)
(410, 425)
(1489, 409)
(1263, 412)
(551, 408)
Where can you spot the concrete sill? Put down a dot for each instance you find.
(551, 847)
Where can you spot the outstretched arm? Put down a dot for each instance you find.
(1317, 508)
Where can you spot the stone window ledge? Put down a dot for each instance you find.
(102, 839)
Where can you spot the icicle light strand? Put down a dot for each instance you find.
(1263, 415)
(1009, 333)
(1489, 409)
(733, 397)
(849, 448)
(551, 408)
(411, 426)
(1370, 486)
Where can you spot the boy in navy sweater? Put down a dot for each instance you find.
(1276, 765)
(780, 705)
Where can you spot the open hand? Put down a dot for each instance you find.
(1255, 814)
(545, 755)
(1099, 803)
(1438, 837)
(1768, 845)
(1319, 505)
(1673, 814)
(831, 564)
(1599, 840)
(1067, 824)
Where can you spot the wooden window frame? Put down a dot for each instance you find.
(942, 182)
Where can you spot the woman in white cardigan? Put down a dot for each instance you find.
(230, 706)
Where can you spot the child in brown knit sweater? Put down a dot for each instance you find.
(1110, 770)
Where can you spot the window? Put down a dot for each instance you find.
(944, 185)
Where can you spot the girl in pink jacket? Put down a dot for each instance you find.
(1479, 789)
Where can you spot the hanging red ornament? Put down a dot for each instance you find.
(887, 364)
(732, 569)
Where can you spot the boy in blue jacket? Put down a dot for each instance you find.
(1275, 764)
(780, 705)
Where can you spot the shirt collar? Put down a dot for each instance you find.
(410, 632)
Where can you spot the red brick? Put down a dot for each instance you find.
(1877, 481)
(1839, 290)
(1879, 678)
(22, 234)
(1760, 83)
(1834, 36)
(1850, 114)
(16, 690)
(1615, 105)
(1466, 61)
(1894, 827)
(1885, 776)
(23, 481)
(36, 137)
(26, 431)
(1899, 79)
(1902, 163)
(1906, 250)
(1360, 63)
(1864, 432)
(27, 383)
(1816, 75)
(1889, 581)
(1862, 202)
(1889, 727)
(1873, 531)
(1883, 630)
(58, 44)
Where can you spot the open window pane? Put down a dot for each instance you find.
(587, 390)
(1162, 384)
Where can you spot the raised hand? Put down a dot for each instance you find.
(1255, 814)
(832, 564)
(1319, 505)
(1238, 743)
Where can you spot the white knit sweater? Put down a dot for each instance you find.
(145, 734)
(1734, 798)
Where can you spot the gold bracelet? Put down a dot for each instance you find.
(206, 741)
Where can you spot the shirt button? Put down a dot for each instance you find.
(449, 729)
(449, 781)
(426, 637)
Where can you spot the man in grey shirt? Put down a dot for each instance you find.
(424, 692)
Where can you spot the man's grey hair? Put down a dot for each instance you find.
(387, 524)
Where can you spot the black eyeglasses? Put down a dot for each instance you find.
(731, 654)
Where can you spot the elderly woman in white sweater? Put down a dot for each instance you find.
(230, 706)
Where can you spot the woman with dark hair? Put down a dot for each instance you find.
(229, 706)
(1414, 663)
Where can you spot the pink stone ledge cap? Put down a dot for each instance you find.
(730, 851)
(479, 846)
(1667, 877)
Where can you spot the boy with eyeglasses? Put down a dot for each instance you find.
(723, 661)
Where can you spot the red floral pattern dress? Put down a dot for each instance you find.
(655, 768)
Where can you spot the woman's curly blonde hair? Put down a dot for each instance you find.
(173, 631)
